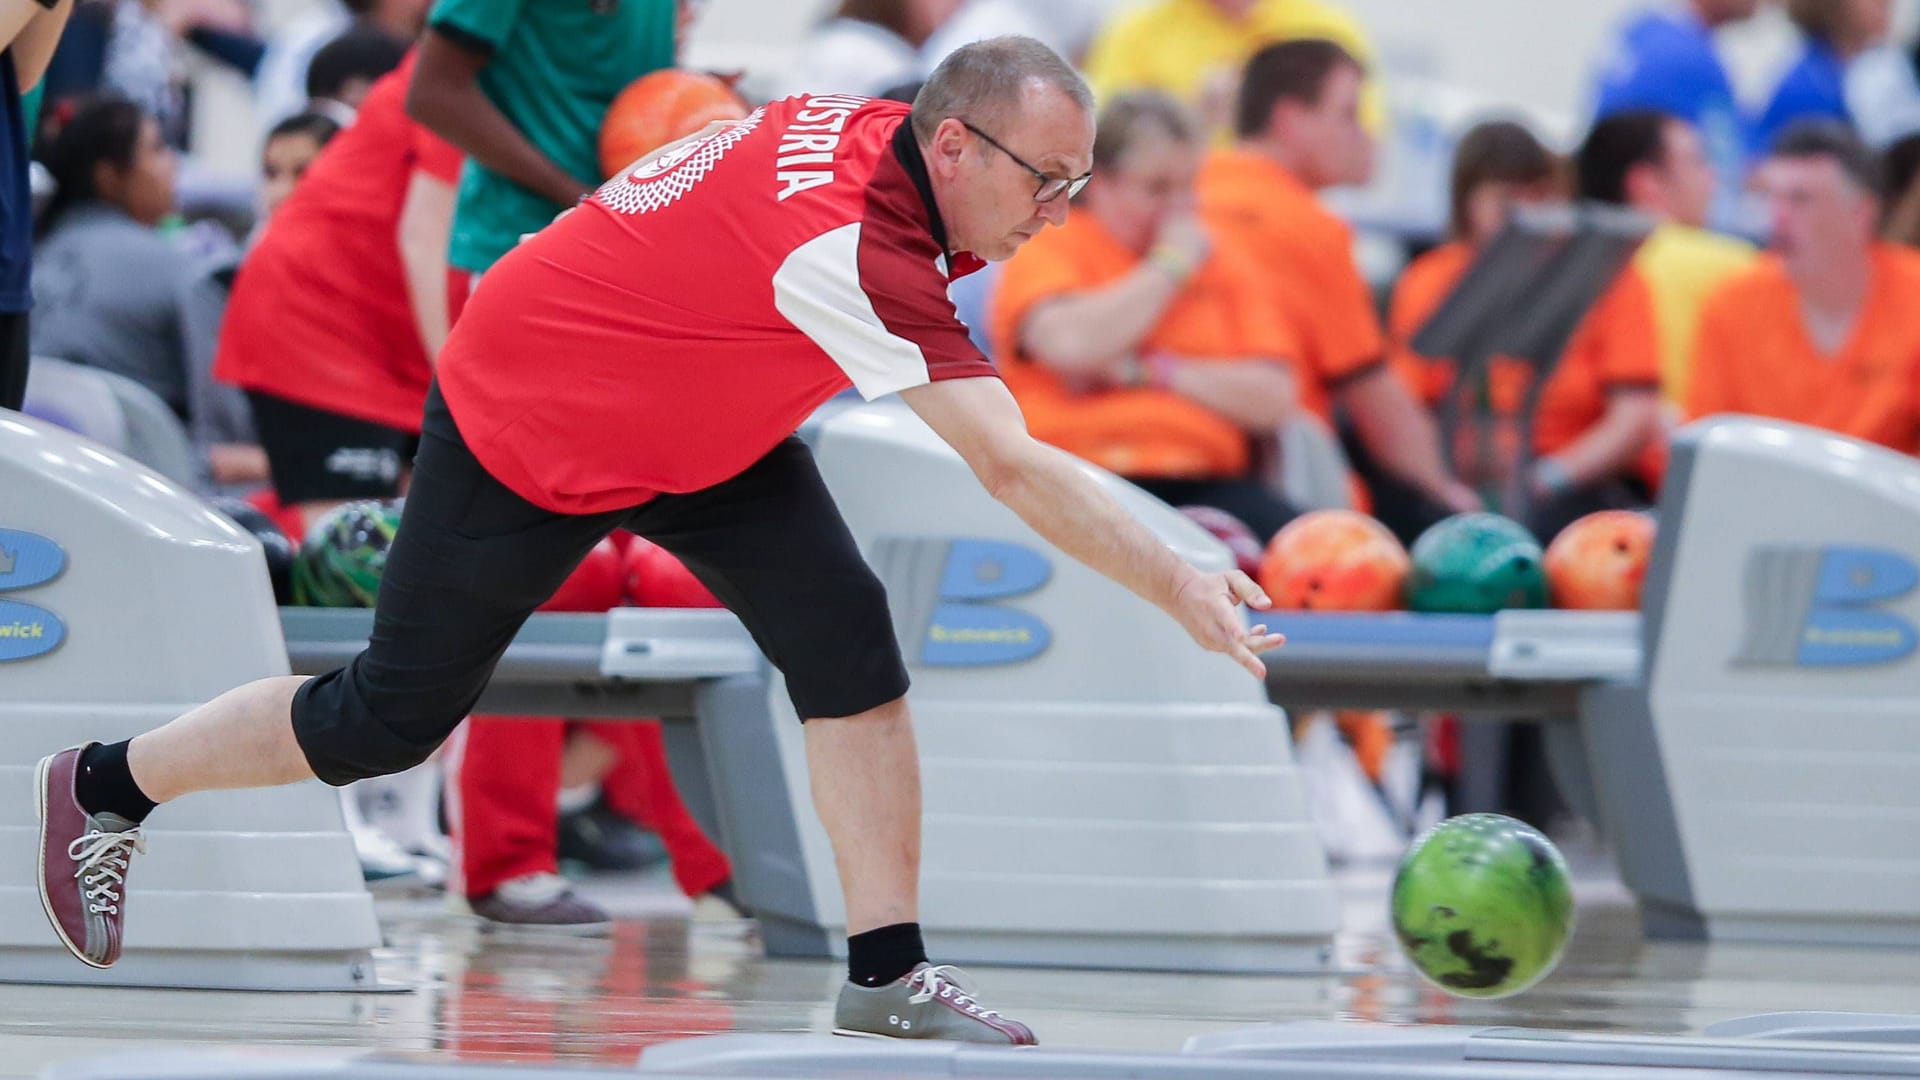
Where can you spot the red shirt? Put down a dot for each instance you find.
(675, 327)
(320, 313)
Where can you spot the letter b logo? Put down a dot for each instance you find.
(945, 596)
(1821, 607)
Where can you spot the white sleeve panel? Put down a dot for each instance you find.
(818, 290)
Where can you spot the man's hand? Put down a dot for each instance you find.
(1460, 498)
(1207, 606)
(1181, 244)
(1048, 490)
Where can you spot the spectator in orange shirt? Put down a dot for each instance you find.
(1824, 330)
(1596, 425)
(1299, 132)
(1135, 339)
(1497, 166)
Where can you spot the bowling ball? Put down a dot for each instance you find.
(1599, 562)
(597, 584)
(658, 108)
(1334, 560)
(1482, 905)
(1476, 564)
(344, 554)
(655, 578)
(275, 543)
(1231, 531)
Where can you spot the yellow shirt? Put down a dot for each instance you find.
(1683, 265)
(1174, 45)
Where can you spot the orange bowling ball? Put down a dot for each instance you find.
(1599, 562)
(1335, 560)
(658, 108)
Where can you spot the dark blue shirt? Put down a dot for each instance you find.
(1814, 88)
(16, 199)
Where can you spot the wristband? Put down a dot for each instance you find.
(1160, 371)
(1172, 263)
(1551, 477)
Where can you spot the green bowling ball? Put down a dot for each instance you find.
(1476, 564)
(1482, 905)
(344, 555)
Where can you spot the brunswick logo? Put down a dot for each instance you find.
(946, 599)
(1823, 607)
(28, 559)
(27, 631)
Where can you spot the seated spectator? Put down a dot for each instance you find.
(110, 290)
(336, 312)
(1596, 423)
(345, 69)
(1823, 330)
(1665, 59)
(865, 47)
(106, 286)
(1194, 49)
(1299, 132)
(288, 150)
(1497, 165)
(1815, 87)
(1135, 339)
(1655, 163)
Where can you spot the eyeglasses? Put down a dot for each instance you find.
(1050, 187)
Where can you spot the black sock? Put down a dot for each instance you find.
(104, 784)
(878, 957)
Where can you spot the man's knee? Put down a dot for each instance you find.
(348, 734)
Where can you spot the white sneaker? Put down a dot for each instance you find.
(383, 863)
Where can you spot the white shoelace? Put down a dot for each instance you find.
(949, 982)
(103, 865)
(535, 890)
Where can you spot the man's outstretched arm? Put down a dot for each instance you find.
(979, 418)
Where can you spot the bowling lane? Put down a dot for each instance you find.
(665, 975)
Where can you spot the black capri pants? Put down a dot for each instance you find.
(472, 560)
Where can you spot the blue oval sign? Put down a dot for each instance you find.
(28, 559)
(27, 631)
(975, 635)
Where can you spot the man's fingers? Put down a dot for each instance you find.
(1245, 591)
(1251, 662)
(1259, 642)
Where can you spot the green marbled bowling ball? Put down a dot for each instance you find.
(1483, 906)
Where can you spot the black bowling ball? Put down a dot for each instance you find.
(279, 549)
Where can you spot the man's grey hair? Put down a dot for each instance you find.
(982, 82)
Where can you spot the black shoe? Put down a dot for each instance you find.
(600, 839)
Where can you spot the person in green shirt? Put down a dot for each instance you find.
(521, 86)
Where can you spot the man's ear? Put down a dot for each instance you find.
(1282, 119)
(1641, 183)
(107, 180)
(949, 145)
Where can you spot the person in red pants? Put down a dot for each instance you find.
(504, 818)
(503, 790)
